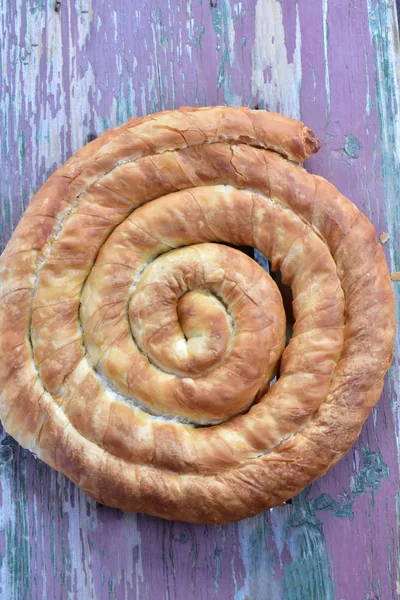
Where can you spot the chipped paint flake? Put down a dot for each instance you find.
(275, 80)
(325, 27)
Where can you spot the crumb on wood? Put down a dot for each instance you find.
(395, 276)
(384, 237)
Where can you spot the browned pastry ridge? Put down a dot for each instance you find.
(137, 355)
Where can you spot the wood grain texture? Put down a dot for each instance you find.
(69, 70)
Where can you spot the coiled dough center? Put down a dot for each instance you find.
(200, 331)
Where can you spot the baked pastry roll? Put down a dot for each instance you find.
(138, 346)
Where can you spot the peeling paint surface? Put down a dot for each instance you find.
(68, 71)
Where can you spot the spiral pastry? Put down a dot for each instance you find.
(138, 346)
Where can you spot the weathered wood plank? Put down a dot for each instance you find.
(68, 70)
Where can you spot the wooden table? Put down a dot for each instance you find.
(69, 70)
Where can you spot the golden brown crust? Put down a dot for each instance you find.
(122, 327)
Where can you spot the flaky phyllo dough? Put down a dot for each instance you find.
(138, 349)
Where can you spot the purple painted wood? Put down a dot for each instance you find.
(68, 70)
